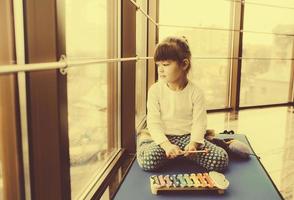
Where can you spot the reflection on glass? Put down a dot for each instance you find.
(141, 50)
(266, 81)
(88, 97)
(87, 111)
(211, 75)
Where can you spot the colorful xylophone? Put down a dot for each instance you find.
(195, 181)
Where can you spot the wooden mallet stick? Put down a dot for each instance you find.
(196, 151)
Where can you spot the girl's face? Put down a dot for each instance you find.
(170, 71)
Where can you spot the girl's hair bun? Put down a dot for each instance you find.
(185, 39)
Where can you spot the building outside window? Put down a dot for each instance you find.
(266, 81)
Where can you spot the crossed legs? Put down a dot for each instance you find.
(151, 156)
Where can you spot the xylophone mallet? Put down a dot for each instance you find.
(197, 151)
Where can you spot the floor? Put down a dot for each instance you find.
(271, 133)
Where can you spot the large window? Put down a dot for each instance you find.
(90, 101)
(141, 50)
(266, 81)
(211, 75)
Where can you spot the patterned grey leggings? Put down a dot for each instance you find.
(151, 156)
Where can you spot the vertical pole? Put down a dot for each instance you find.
(237, 53)
(128, 76)
(153, 9)
(47, 113)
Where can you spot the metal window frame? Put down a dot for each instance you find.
(235, 73)
(47, 105)
(141, 119)
(291, 86)
(153, 11)
(128, 76)
(112, 76)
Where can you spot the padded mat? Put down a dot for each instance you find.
(248, 180)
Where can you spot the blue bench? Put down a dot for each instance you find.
(248, 180)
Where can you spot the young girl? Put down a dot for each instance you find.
(176, 115)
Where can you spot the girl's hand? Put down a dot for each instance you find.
(171, 150)
(192, 146)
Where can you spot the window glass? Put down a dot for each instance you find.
(270, 3)
(90, 104)
(211, 75)
(141, 51)
(266, 81)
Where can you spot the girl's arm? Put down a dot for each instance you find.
(154, 123)
(199, 118)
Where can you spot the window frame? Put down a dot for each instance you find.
(128, 76)
(291, 88)
(236, 64)
(47, 103)
(96, 187)
(152, 40)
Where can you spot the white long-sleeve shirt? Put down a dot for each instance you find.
(176, 112)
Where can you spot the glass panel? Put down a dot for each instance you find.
(281, 16)
(212, 77)
(266, 81)
(90, 106)
(209, 74)
(87, 116)
(141, 49)
(140, 90)
(284, 3)
(195, 13)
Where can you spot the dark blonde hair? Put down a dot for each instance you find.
(173, 48)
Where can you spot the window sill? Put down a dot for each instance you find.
(104, 180)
